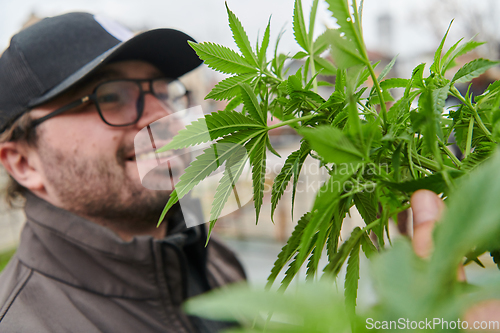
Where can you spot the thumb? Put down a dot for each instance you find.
(427, 208)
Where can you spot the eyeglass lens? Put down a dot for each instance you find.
(118, 101)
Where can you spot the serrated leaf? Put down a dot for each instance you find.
(366, 205)
(294, 83)
(209, 161)
(213, 126)
(326, 67)
(313, 307)
(340, 80)
(402, 107)
(434, 182)
(271, 148)
(335, 264)
(229, 88)
(290, 249)
(265, 44)
(436, 65)
(324, 207)
(299, 27)
(446, 60)
(417, 76)
(319, 245)
(325, 84)
(387, 69)
(340, 11)
(351, 279)
(431, 104)
(232, 172)
(344, 52)
(233, 104)
(489, 93)
(321, 44)
(222, 59)
(258, 162)
(461, 50)
(299, 55)
(278, 61)
(367, 245)
(337, 220)
(361, 78)
(394, 83)
(172, 200)
(251, 104)
(312, 21)
(496, 257)
(332, 144)
(396, 162)
(195, 133)
(478, 156)
(375, 99)
(282, 179)
(240, 38)
(473, 69)
(297, 167)
(335, 99)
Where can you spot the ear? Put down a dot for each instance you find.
(22, 163)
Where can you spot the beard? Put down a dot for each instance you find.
(100, 189)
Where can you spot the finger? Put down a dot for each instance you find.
(485, 311)
(427, 208)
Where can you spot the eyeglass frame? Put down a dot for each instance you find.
(93, 98)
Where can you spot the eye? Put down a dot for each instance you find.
(162, 96)
(109, 98)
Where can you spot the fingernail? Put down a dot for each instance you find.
(424, 206)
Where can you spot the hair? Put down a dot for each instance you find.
(21, 131)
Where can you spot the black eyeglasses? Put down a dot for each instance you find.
(121, 102)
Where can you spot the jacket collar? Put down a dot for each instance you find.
(73, 250)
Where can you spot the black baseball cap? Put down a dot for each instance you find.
(51, 56)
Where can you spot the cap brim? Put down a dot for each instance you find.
(167, 49)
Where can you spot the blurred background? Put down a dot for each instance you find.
(410, 29)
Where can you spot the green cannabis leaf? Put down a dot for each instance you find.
(375, 154)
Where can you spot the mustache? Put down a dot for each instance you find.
(124, 152)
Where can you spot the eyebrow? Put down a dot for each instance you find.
(100, 76)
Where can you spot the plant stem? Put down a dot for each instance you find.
(410, 160)
(371, 225)
(399, 210)
(450, 154)
(383, 109)
(362, 48)
(425, 162)
(312, 20)
(313, 72)
(470, 132)
(361, 188)
(422, 170)
(291, 121)
(454, 91)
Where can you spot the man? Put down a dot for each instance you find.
(75, 90)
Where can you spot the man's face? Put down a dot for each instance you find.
(89, 167)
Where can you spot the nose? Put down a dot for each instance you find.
(153, 110)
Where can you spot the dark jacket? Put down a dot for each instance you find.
(72, 275)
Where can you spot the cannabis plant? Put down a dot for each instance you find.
(390, 147)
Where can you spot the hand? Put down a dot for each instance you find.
(427, 208)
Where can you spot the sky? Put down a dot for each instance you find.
(205, 20)
(416, 27)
